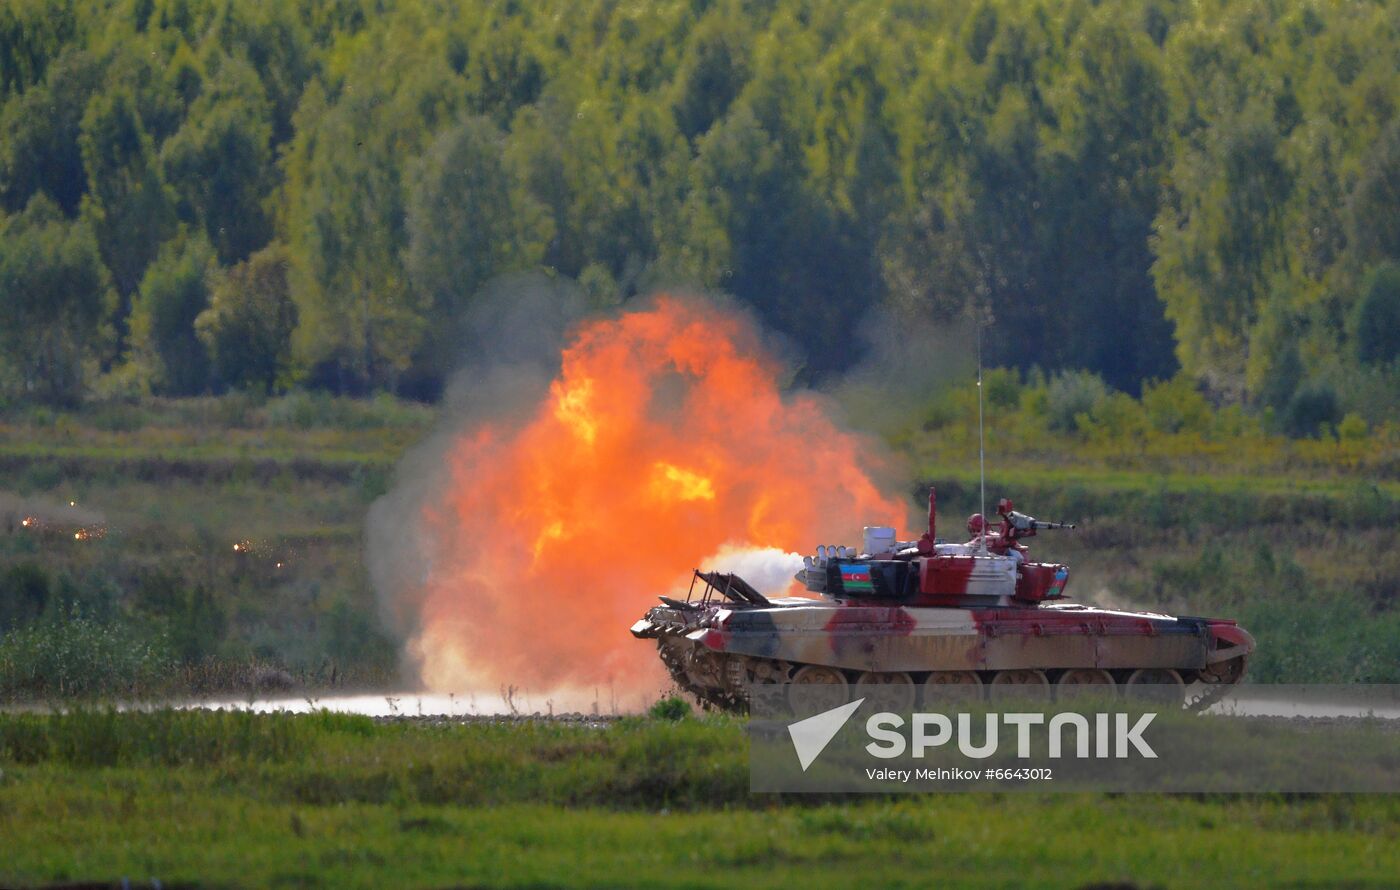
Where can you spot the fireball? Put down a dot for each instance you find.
(665, 442)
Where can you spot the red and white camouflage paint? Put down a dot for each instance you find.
(927, 617)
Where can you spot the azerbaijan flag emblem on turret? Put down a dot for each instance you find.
(856, 576)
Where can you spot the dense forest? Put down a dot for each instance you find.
(201, 196)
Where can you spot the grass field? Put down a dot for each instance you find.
(224, 799)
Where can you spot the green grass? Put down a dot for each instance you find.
(322, 800)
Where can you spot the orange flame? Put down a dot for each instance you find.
(664, 441)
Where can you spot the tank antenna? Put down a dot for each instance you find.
(981, 447)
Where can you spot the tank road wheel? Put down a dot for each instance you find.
(736, 674)
(1021, 683)
(886, 690)
(763, 686)
(765, 671)
(952, 686)
(816, 688)
(1085, 683)
(1161, 686)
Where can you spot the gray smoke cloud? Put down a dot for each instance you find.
(909, 361)
(511, 342)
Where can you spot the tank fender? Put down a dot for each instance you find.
(1231, 641)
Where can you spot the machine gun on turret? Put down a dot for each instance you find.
(1018, 525)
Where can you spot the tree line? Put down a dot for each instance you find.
(199, 196)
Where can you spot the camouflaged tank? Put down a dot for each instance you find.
(925, 619)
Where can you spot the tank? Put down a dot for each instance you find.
(920, 621)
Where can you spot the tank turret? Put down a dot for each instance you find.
(993, 567)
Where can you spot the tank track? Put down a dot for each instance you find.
(722, 686)
(1216, 680)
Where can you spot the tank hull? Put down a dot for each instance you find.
(713, 650)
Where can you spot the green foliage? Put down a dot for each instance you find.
(248, 326)
(309, 411)
(350, 636)
(1124, 188)
(24, 595)
(31, 33)
(74, 655)
(1313, 408)
(360, 320)
(1282, 378)
(128, 204)
(1171, 428)
(1001, 387)
(1071, 395)
(87, 738)
(195, 619)
(468, 221)
(53, 300)
(670, 708)
(174, 291)
(1175, 406)
(1353, 428)
(220, 161)
(39, 132)
(1378, 317)
(1374, 225)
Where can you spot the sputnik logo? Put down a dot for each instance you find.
(811, 736)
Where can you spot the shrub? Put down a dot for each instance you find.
(196, 621)
(1310, 408)
(248, 325)
(1001, 387)
(311, 410)
(1117, 417)
(1353, 428)
(174, 291)
(1070, 394)
(1378, 317)
(1175, 406)
(53, 296)
(672, 707)
(74, 655)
